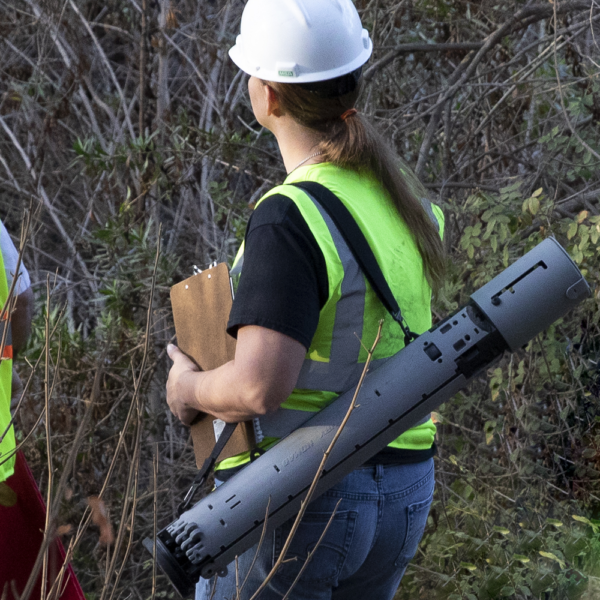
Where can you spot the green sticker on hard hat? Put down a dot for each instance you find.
(286, 69)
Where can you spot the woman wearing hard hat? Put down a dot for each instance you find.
(304, 313)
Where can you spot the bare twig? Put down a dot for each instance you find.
(533, 13)
(400, 49)
(319, 472)
(562, 98)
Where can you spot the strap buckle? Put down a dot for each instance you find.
(207, 467)
(189, 497)
(409, 335)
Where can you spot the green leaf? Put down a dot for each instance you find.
(508, 590)
(534, 206)
(554, 558)
(554, 522)
(537, 192)
(572, 231)
(501, 530)
(513, 187)
(586, 521)
(521, 558)
(468, 566)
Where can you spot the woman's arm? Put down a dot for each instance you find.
(261, 376)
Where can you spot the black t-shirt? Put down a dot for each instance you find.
(284, 286)
(284, 279)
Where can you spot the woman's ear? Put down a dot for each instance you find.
(273, 105)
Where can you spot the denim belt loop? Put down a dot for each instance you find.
(378, 473)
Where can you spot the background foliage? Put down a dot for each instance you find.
(127, 134)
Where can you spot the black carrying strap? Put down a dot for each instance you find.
(358, 245)
(207, 467)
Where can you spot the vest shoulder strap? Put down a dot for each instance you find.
(356, 241)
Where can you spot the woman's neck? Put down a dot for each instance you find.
(296, 143)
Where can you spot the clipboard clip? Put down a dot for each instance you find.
(196, 270)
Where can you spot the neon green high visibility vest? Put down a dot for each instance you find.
(7, 446)
(349, 320)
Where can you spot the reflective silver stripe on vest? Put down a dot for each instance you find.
(8, 340)
(426, 204)
(285, 420)
(237, 268)
(343, 371)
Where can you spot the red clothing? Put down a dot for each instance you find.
(21, 536)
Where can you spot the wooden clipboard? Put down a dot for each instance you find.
(201, 306)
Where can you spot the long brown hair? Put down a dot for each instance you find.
(353, 143)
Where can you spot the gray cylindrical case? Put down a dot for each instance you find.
(532, 293)
(504, 314)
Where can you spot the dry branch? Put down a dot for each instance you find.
(311, 490)
(466, 69)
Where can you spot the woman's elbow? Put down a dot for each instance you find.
(261, 400)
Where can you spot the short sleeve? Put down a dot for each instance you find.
(283, 284)
(10, 256)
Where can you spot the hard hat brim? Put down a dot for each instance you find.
(239, 58)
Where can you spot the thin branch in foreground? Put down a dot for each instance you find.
(317, 477)
(312, 552)
(260, 543)
(154, 507)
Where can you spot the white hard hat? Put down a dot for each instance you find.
(300, 41)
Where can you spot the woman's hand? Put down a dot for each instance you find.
(262, 375)
(180, 386)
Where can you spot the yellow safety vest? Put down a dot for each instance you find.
(7, 434)
(349, 320)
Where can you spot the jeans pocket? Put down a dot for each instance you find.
(330, 554)
(416, 520)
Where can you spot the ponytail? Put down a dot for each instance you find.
(353, 143)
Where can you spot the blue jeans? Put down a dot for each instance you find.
(372, 538)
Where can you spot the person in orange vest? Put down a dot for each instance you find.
(22, 509)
